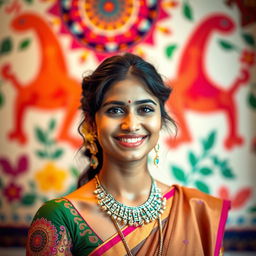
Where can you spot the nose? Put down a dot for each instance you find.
(130, 123)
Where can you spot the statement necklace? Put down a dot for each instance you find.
(131, 215)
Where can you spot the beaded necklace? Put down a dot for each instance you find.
(132, 215)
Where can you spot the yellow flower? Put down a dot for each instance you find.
(51, 177)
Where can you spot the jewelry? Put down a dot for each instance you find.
(131, 215)
(156, 158)
(128, 250)
(93, 150)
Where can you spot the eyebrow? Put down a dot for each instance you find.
(137, 102)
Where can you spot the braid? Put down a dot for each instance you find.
(89, 173)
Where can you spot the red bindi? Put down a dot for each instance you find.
(129, 101)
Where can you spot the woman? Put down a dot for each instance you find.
(119, 209)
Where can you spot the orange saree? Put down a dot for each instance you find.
(193, 224)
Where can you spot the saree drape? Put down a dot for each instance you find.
(193, 224)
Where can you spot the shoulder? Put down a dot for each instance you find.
(48, 233)
(53, 208)
(195, 199)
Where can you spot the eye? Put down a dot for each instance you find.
(115, 111)
(146, 109)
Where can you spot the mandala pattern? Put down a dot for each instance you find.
(42, 238)
(109, 26)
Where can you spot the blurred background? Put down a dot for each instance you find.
(205, 50)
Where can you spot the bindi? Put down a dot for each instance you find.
(129, 101)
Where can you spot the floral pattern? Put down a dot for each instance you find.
(14, 170)
(248, 57)
(43, 239)
(12, 192)
(51, 177)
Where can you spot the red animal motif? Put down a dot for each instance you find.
(51, 89)
(194, 90)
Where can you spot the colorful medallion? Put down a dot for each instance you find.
(109, 26)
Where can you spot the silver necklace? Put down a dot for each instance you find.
(131, 215)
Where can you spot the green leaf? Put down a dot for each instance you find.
(52, 124)
(209, 142)
(170, 50)
(192, 159)
(223, 164)
(41, 154)
(252, 100)
(248, 38)
(179, 174)
(226, 45)
(202, 186)
(187, 11)
(252, 209)
(1, 99)
(205, 171)
(227, 173)
(24, 44)
(215, 160)
(41, 135)
(2, 2)
(28, 1)
(5, 46)
(28, 199)
(74, 172)
(58, 152)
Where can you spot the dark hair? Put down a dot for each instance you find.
(110, 71)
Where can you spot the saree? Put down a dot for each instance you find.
(193, 224)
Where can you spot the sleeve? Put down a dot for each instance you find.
(48, 233)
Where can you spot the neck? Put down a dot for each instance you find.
(129, 183)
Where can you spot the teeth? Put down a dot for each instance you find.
(131, 140)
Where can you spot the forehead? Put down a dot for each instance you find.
(130, 89)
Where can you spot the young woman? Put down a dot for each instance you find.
(119, 209)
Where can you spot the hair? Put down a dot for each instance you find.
(110, 71)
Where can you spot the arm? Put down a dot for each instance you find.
(48, 233)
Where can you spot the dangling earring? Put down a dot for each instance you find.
(93, 150)
(156, 158)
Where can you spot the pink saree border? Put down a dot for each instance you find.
(223, 218)
(113, 241)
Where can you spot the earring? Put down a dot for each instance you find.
(156, 158)
(93, 150)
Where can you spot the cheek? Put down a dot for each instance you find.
(104, 129)
(154, 125)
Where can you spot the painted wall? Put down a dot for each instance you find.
(205, 50)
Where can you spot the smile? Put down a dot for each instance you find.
(130, 141)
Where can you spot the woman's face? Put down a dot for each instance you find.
(128, 122)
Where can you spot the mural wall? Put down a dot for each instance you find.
(205, 50)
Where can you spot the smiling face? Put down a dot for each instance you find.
(128, 122)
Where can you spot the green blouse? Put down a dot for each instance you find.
(59, 229)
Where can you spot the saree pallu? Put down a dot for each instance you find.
(193, 224)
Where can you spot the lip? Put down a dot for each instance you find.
(130, 141)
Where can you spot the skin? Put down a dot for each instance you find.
(128, 110)
(118, 119)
